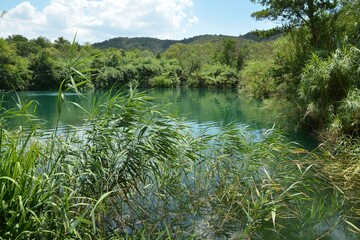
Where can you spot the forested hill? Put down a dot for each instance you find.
(158, 45)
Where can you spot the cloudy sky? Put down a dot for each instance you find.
(98, 20)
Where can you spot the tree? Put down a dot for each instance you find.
(42, 42)
(44, 72)
(62, 44)
(24, 47)
(348, 23)
(296, 13)
(13, 68)
(232, 54)
(191, 57)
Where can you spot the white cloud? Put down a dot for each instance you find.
(97, 20)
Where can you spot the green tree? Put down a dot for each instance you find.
(24, 47)
(44, 72)
(191, 57)
(348, 23)
(232, 54)
(13, 68)
(296, 13)
(62, 44)
(42, 42)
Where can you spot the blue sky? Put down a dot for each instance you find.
(98, 20)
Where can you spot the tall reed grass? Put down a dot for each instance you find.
(134, 172)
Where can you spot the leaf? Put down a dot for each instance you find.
(92, 213)
(73, 85)
(11, 180)
(83, 220)
(60, 98)
(354, 228)
(273, 216)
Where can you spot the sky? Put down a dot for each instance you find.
(98, 20)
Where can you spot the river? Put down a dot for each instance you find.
(200, 109)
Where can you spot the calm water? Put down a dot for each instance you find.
(201, 108)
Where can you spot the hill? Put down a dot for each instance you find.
(158, 45)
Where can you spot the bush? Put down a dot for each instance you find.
(256, 80)
(109, 77)
(164, 81)
(329, 89)
(217, 76)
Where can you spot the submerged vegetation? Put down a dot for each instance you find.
(134, 172)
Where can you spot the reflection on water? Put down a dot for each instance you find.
(200, 108)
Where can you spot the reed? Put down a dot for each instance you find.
(132, 171)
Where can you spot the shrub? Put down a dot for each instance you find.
(256, 80)
(329, 88)
(164, 81)
(220, 76)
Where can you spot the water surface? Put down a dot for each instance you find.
(200, 108)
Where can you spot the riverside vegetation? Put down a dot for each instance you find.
(131, 171)
(135, 172)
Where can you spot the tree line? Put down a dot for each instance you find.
(39, 64)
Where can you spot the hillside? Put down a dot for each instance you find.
(158, 45)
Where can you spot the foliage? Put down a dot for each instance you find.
(164, 81)
(267, 34)
(348, 27)
(25, 191)
(42, 65)
(232, 54)
(215, 76)
(24, 47)
(109, 77)
(159, 46)
(256, 75)
(44, 73)
(292, 53)
(190, 57)
(133, 170)
(255, 79)
(340, 166)
(13, 69)
(298, 13)
(329, 88)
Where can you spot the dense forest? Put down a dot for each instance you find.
(157, 45)
(38, 64)
(132, 156)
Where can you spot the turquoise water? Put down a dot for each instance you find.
(200, 108)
